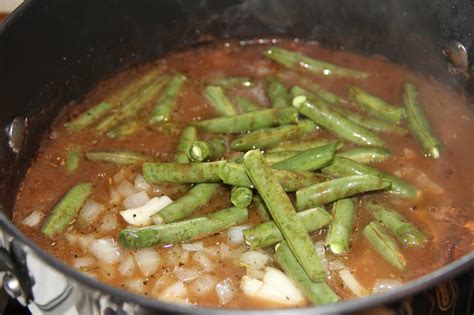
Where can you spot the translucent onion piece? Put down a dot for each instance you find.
(203, 261)
(135, 285)
(141, 184)
(89, 213)
(108, 223)
(141, 216)
(255, 260)
(225, 291)
(136, 200)
(351, 282)
(193, 247)
(176, 292)
(235, 235)
(186, 274)
(321, 252)
(203, 284)
(105, 249)
(148, 260)
(83, 262)
(127, 266)
(33, 219)
(125, 189)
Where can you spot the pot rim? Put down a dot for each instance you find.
(411, 287)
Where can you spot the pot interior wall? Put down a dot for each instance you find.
(53, 52)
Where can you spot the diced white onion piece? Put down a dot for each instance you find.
(351, 282)
(135, 285)
(141, 184)
(105, 249)
(203, 261)
(115, 197)
(211, 251)
(136, 200)
(409, 153)
(125, 189)
(235, 235)
(382, 285)
(176, 255)
(34, 218)
(186, 274)
(336, 264)
(148, 260)
(162, 282)
(176, 292)
(127, 266)
(108, 223)
(193, 247)
(321, 252)
(254, 259)
(141, 216)
(82, 240)
(225, 291)
(255, 273)
(119, 177)
(275, 287)
(83, 262)
(89, 212)
(424, 181)
(203, 284)
(227, 252)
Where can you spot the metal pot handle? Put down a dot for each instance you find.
(17, 282)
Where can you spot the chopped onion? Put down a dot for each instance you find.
(225, 291)
(255, 273)
(135, 285)
(163, 281)
(176, 292)
(34, 218)
(336, 264)
(105, 249)
(321, 252)
(127, 266)
(136, 200)
(125, 189)
(421, 179)
(255, 260)
(211, 251)
(230, 253)
(141, 216)
(115, 197)
(203, 261)
(176, 255)
(89, 212)
(351, 282)
(235, 235)
(203, 284)
(409, 153)
(382, 285)
(148, 260)
(186, 274)
(83, 262)
(119, 177)
(108, 223)
(275, 286)
(193, 247)
(141, 184)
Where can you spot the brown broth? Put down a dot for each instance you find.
(450, 232)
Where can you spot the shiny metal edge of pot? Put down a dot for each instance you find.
(93, 297)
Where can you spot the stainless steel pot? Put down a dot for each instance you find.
(52, 52)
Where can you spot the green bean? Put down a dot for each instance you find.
(261, 208)
(221, 104)
(164, 106)
(338, 237)
(241, 196)
(309, 160)
(267, 234)
(332, 190)
(213, 149)
(345, 167)
(250, 121)
(283, 213)
(275, 157)
(182, 173)
(318, 293)
(408, 234)
(384, 244)
(298, 145)
(89, 117)
(267, 137)
(234, 174)
(188, 230)
(132, 108)
(322, 113)
(316, 90)
(247, 105)
(366, 155)
(72, 162)
(297, 61)
(187, 137)
(234, 82)
(118, 157)
(124, 130)
(418, 123)
(371, 123)
(277, 93)
(186, 205)
(376, 106)
(66, 209)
